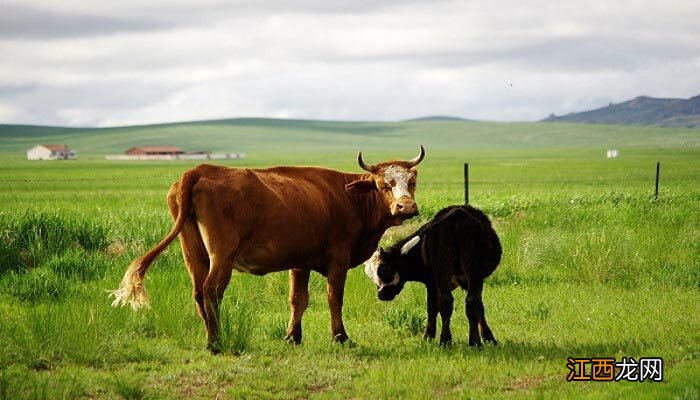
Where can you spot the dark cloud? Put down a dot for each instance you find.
(584, 53)
(34, 22)
(11, 91)
(20, 22)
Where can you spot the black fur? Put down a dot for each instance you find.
(460, 245)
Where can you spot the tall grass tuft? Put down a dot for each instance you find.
(16, 384)
(406, 321)
(32, 238)
(237, 324)
(129, 388)
(36, 285)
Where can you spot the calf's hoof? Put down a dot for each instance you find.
(476, 343)
(491, 340)
(445, 340)
(428, 334)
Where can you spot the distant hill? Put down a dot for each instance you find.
(641, 110)
(438, 118)
(255, 136)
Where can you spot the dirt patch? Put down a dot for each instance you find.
(528, 382)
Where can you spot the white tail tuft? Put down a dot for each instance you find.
(131, 291)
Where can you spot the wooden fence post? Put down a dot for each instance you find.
(466, 183)
(656, 190)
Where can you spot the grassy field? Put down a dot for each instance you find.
(593, 266)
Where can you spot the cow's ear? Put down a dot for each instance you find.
(409, 245)
(360, 187)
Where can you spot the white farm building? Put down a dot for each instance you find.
(51, 152)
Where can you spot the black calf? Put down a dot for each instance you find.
(457, 248)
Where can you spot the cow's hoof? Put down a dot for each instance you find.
(292, 339)
(477, 344)
(491, 340)
(214, 349)
(346, 343)
(341, 338)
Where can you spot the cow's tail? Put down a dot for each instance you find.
(131, 290)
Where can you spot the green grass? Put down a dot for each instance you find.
(593, 266)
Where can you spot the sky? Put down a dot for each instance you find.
(128, 62)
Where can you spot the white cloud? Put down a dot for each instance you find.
(128, 62)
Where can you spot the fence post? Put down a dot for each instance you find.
(466, 183)
(656, 190)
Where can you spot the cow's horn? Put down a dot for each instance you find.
(369, 168)
(419, 158)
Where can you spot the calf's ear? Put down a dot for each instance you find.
(360, 187)
(409, 245)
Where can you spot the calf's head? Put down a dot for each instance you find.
(395, 181)
(385, 268)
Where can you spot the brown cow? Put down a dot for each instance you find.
(300, 219)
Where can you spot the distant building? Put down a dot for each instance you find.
(612, 153)
(51, 152)
(154, 151)
(166, 153)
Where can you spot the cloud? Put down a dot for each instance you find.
(113, 63)
(21, 22)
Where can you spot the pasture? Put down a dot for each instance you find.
(593, 266)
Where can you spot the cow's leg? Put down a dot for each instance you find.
(193, 252)
(221, 244)
(298, 300)
(197, 261)
(214, 287)
(471, 306)
(336, 289)
(431, 323)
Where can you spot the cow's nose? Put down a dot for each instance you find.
(407, 208)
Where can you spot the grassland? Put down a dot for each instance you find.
(593, 267)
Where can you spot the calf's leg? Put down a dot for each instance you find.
(474, 308)
(298, 301)
(486, 333)
(431, 322)
(446, 304)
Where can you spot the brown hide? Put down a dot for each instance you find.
(282, 218)
(286, 217)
